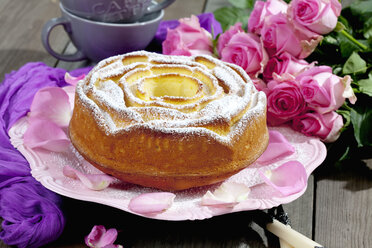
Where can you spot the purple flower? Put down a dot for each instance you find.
(206, 20)
(161, 33)
(31, 213)
(209, 23)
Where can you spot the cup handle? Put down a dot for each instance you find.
(45, 40)
(159, 6)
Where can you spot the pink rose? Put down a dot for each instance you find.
(262, 10)
(319, 16)
(284, 67)
(245, 50)
(325, 126)
(188, 39)
(279, 36)
(284, 101)
(322, 90)
(259, 84)
(225, 37)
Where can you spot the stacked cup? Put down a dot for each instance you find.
(103, 28)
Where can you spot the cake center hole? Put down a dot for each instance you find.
(171, 85)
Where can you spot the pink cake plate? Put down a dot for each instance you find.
(46, 167)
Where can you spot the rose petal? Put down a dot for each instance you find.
(228, 194)
(52, 103)
(278, 148)
(70, 90)
(309, 46)
(288, 179)
(45, 134)
(348, 92)
(188, 38)
(100, 238)
(73, 80)
(151, 203)
(91, 181)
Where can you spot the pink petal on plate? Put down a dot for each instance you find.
(70, 90)
(228, 194)
(73, 80)
(52, 103)
(45, 134)
(151, 203)
(289, 178)
(100, 238)
(278, 148)
(91, 181)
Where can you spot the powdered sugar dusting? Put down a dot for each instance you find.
(223, 92)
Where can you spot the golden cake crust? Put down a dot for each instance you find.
(149, 140)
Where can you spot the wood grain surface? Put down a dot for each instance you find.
(20, 31)
(335, 210)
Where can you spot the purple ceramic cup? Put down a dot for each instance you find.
(114, 10)
(99, 40)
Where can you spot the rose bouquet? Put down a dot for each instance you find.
(311, 57)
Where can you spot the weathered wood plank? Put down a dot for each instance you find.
(21, 23)
(343, 207)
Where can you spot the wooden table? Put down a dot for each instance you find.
(335, 210)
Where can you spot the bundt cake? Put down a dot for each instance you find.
(169, 122)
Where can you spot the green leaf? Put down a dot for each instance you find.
(243, 4)
(367, 29)
(346, 115)
(228, 16)
(354, 65)
(365, 85)
(344, 21)
(336, 69)
(347, 47)
(346, 154)
(361, 118)
(215, 42)
(363, 9)
(329, 39)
